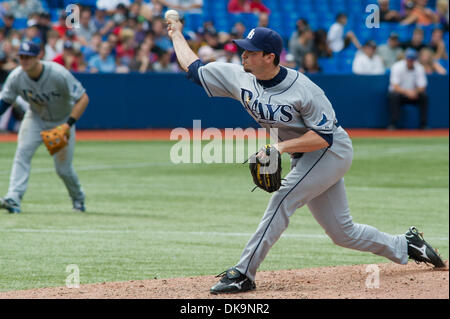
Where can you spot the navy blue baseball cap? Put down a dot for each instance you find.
(262, 39)
(29, 48)
(411, 54)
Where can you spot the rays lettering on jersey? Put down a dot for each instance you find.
(266, 113)
(40, 99)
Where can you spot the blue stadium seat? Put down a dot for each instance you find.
(404, 32)
(445, 64)
(193, 21)
(328, 65)
(20, 23)
(250, 20)
(345, 65)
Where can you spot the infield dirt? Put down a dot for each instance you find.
(409, 281)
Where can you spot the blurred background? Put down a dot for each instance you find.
(340, 44)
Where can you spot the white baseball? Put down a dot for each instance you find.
(172, 14)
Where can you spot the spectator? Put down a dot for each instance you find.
(61, 26)
(368, 62)
(431, 66)
(103, 62)
(206, 54)
(113, 40)
(239, 6)
(100, 23)
(302, 46)
(184, 6)
(257, 6)
(231, 55)
(288, 61)
(408, 83)
(421, 15)
(301, 25)
(337, 41)
(238, 30)
(87, 27)
(391, 51)
(263, 20)
(23, 8)
(141, 30)
(161, 38)
(93, 47)
(68, 57)
(10, 51)
(8, 21)
(164, 65)
(141, 62)
(32, 32)
(321, 48)
(44, 25)
(82, 66)
(416, 41)
(386, 14)
(54, 45)
(437, 45)
(126, 49)
(110, 6)
(150, 10)
(442, 11)
(310, 64)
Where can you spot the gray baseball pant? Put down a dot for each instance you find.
(316, 180)
(29, 140)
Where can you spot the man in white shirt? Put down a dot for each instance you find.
(408, 84)
(367, 62)
(336, 39)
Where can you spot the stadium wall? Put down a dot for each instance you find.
(135, 101)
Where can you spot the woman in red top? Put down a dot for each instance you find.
(247, 6)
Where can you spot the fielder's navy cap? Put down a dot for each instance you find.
(29, 48)
(262, 39)
(411, 54)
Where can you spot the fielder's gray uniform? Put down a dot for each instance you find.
(295, 106)
(51, 100)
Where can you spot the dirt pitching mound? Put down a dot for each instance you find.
(395, 281)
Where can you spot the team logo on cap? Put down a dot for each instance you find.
(26, 47)
(251, 34)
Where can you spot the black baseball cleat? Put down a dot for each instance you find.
(10, 205)
(420, 251)
(232, 282)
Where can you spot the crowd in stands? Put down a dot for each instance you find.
(124, 36)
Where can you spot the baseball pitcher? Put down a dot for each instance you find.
(57, 100)
(320, 149)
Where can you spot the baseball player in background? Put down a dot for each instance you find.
(56, 99)
(320, 149)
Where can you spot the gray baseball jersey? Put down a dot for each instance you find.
(294, 106)
(51, 97)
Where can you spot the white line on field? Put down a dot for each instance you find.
(94, 167)
(196, 233)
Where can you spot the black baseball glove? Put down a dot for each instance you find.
(265, 167)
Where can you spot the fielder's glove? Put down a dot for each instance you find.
(55, 139)
(265, 167)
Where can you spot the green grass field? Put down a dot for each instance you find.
(150, 218)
